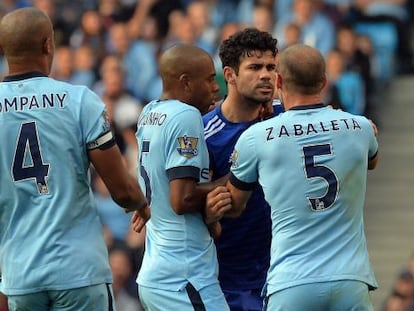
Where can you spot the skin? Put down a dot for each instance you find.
(188, 75)
(251, 87)
(312, 64)
(29, 46)
(251, 90)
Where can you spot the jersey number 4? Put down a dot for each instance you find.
(314, 170)
(28, 163)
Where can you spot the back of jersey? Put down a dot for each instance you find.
(47, 216)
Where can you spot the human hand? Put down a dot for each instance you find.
(266, 111)
(140, 218)
(218, 202)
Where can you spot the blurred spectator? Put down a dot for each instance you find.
(348, 85)
(262, 18)
(122, 272)
(317, 29)
(112, 11)
(245, 10)
(199, 16)
(123, 109)
(138, 59)
(84, 67)
(395, 302)
(62, 68)
(62, 17)
(112, 217)
(389, 11)
(181, 30)
(292, 35)
(404, 289)
(337, 10)
(90, 32)
(356, 60)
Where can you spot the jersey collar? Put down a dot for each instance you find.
(23, 76)
(304, 107)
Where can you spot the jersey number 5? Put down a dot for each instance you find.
(28, 162)
(143, 172)
(314, 170)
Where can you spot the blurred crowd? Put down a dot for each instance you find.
(401, 296)
(113, 46)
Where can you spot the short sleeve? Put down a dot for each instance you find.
(94, 119)
(244, 173)
(186, 147)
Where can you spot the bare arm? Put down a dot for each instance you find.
(124, 188)
(372, 163)
(187, 196)
(239, 200)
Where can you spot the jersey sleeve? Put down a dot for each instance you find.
(185, 145)
(244, 173)
(373, 142)
(95, 123)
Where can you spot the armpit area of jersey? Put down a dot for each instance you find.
(105, 141)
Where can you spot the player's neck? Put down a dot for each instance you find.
(291, 100)
(16, 68)
(237, 111)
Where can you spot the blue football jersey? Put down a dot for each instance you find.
(312, 164)
(178, 248)
(50, 233)
(244, 245)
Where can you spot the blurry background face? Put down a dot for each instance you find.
(303, 10)
(119, 38)
(263, 19)
(63, 62)
(198, 15)
(91, 23)
(346, 41)
(84, 58)
(334, 65)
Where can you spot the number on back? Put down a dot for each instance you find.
(314, 170)
(143, 172)
(28, 162)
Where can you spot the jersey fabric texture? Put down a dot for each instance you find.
(48, 219)
(179, 248)
(244, 245)
(312, 164)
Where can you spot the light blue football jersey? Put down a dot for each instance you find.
(50, 233)
(312, 164)
(178, 248)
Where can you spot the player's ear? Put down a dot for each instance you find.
(185, 81)
(279, 81)
(229, 75)
(47, 46)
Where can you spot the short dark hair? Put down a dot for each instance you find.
(242, 43)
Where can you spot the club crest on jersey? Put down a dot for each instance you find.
(107, 124)
(233, 158)
(188, 146)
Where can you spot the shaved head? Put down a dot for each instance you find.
(181, 59)
(302, 68)
(24, 32)
(188, 75)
